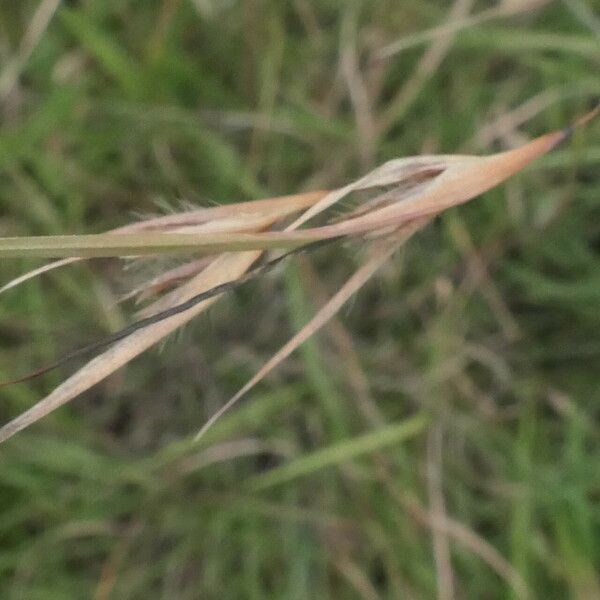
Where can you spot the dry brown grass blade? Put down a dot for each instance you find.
(508, 8)
(381, 253)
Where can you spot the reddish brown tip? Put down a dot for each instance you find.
(587, 118)
(567, 132)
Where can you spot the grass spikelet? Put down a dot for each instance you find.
(238, 235)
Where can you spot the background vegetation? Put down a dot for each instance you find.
(439, 439)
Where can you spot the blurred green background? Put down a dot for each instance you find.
(440, 439)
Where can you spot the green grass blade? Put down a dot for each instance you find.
(341, 452)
